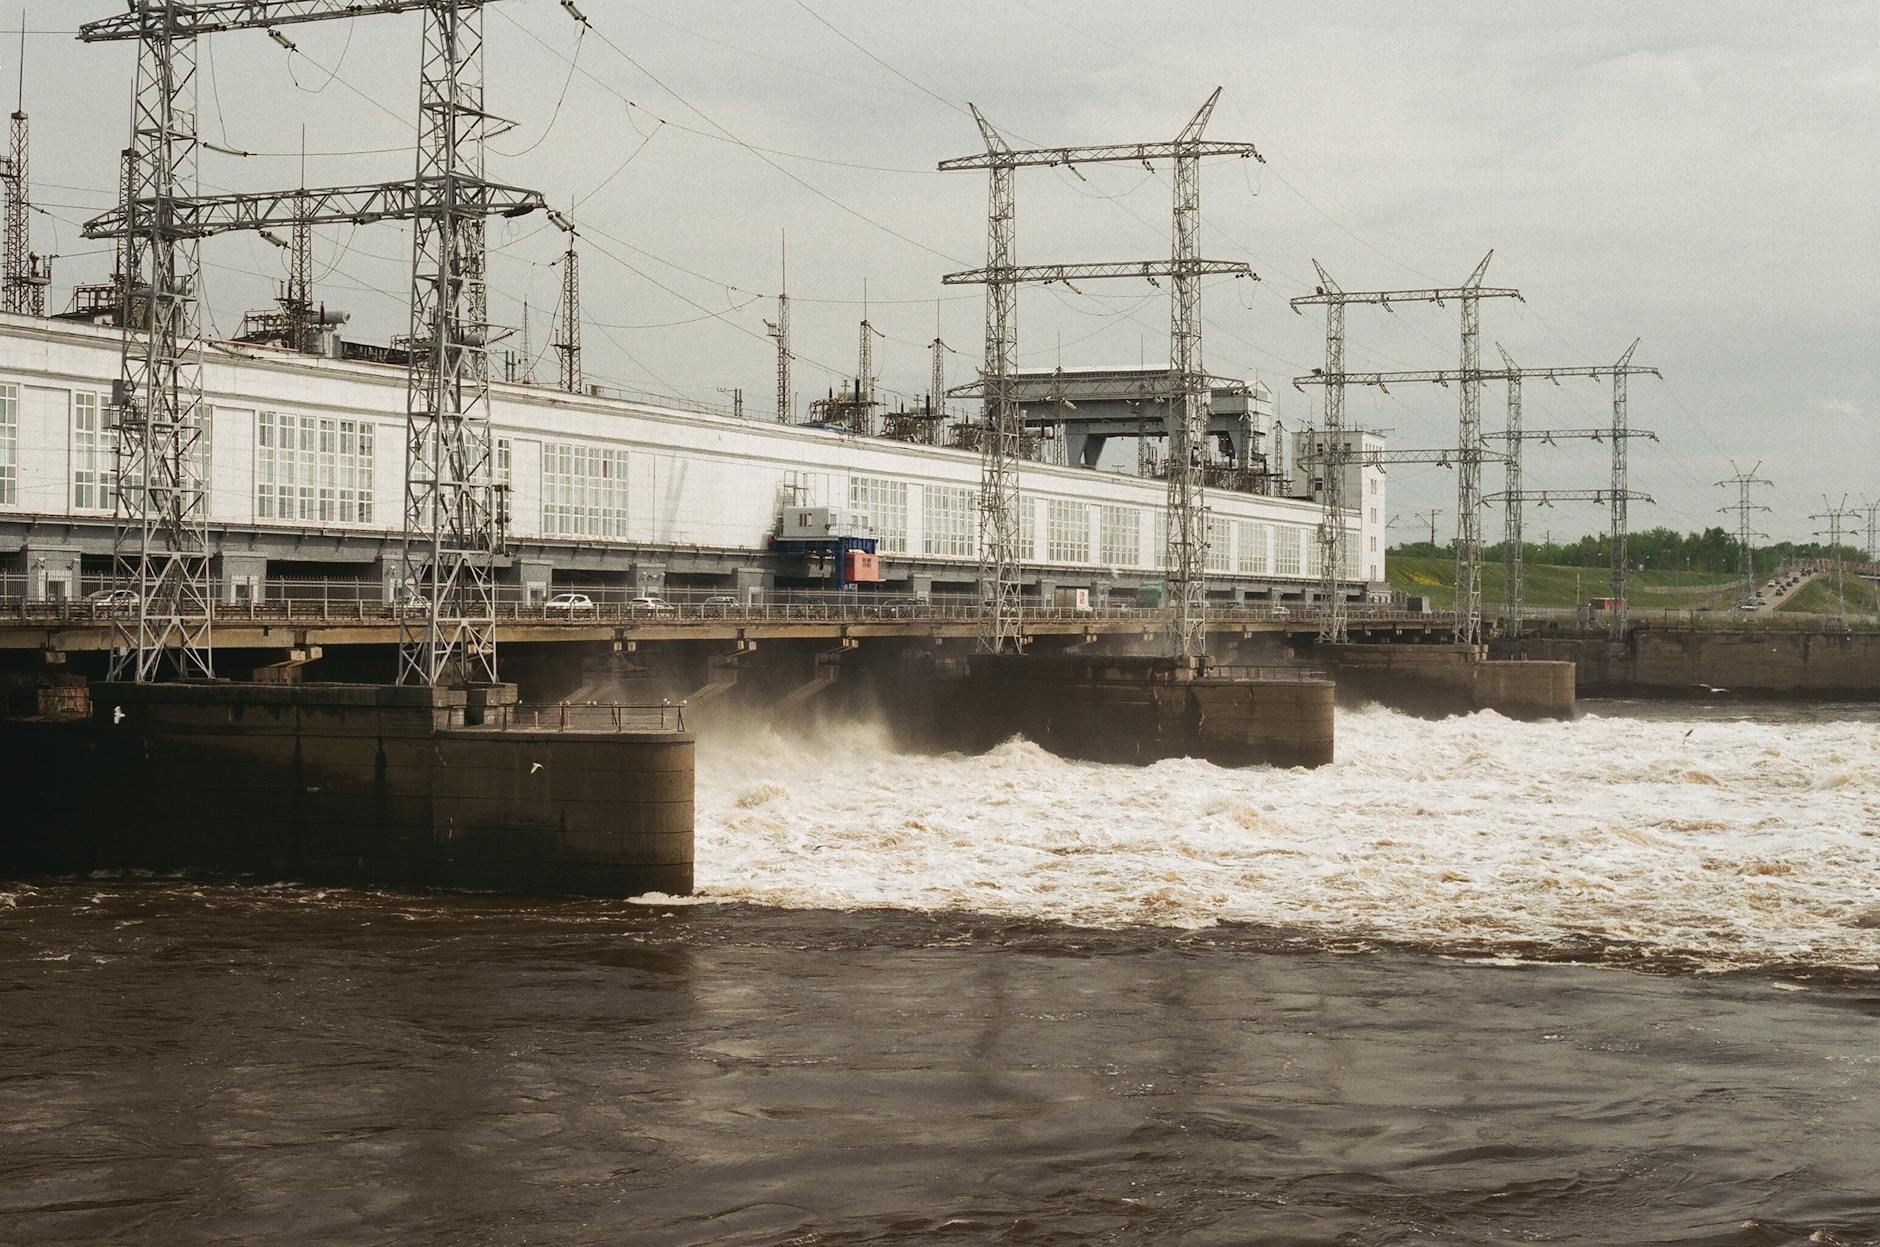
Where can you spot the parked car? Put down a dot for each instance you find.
(411, 602)
(649, 605)
(568, 603)
(112, 601)
(719, 605)
(898, 608)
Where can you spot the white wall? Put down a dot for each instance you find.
(693, 478)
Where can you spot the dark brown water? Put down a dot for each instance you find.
(192, 1063)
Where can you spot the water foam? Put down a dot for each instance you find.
(1742, 840)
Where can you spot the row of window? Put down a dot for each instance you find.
(320, 469)
(315, 468)
(584, 490)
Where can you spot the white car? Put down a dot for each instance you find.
(112, 601)
(568, 603)
(649, 605)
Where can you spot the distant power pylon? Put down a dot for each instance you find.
(1432, 515)
(1836, 517)
(1744, 507)
(1514, 495)
(1185, 554)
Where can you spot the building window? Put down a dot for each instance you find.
(1119, 534)
(1220, 552)
(1250, 558)
(584, 490)
(1067, 531)
(1027, 529)
(315, 469)
(94, 455)
(1161, 539)
(949, 521)
(9, 444)
(502, 461)
(1286, 551)
(884, 503)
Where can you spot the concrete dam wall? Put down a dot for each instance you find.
(1688, 662)
(346, 784)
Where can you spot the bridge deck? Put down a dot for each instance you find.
(73, 627)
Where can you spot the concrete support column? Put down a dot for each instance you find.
(52, 573)
(532, 579)
(752, 583)
(649, 578)
(243, 577)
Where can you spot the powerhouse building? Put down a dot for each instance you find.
(304, 461)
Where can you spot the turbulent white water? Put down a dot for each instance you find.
(1736, 840)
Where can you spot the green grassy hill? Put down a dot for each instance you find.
(1816, 597)
(1546, 584)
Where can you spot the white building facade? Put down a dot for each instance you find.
(304, 461)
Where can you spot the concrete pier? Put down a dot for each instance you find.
(1109, 708)
(1441, 680)
(348, 784)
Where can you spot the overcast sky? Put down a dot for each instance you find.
(1703, 176)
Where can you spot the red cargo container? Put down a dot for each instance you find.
(860, 567)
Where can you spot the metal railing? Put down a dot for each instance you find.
(1271, 671)
(595, 716)
(777, 609)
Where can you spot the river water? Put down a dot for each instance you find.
(1613, 981)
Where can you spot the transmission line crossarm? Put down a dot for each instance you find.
(1031, 274)
(200, 216)
(209, 16)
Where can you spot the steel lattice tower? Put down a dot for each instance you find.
(161, 543)
(451, 530)
(1835, 516)
(1334, 455)
(1744, 507)
(1187, 556)
(779, 331)
(1002, 593)
(569, 345)
(26, 275)
(1186, 552)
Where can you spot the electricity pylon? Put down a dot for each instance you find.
(1469, 452)
(1513, 495)
(1185, 555)
(1835, 516)
(447, 622)
(1744, 507)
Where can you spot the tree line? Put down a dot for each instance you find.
(1652, 549)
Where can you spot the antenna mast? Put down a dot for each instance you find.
(569, 345)
(27, 275)
(779, 331)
